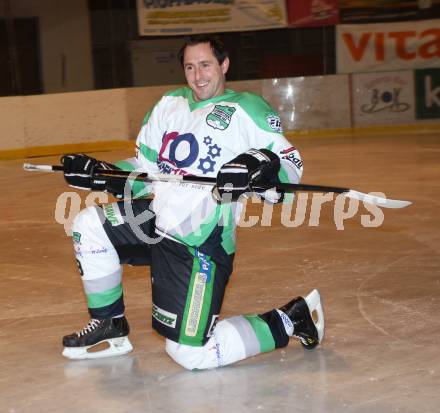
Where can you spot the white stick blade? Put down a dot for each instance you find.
(33, 167)
(377, 200)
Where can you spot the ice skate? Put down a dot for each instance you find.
(113, 331)
(300, 311)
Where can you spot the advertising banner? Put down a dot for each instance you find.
(375, 11)
(427, 93)
(171, 17)
(383, 98)
(394, 46)
(312, 12)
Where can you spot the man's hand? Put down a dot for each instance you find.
(237, 176)
(79, 169)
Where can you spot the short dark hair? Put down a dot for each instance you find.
(217, 46)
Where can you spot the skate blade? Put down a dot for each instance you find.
(117, 347)
(313, 301)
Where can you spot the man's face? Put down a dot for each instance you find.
(205, 76)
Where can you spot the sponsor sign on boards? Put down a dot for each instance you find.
(383, 98)
(427, 93)
(394, 46)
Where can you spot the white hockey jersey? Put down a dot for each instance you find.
(182, 136)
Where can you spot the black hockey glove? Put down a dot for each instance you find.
(79, 172)
(237, 176)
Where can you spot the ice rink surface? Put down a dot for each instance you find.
(380, 288)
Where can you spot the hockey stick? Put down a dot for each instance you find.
(145, 177)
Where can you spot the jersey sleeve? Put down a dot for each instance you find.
(147, 149)
(265, 131)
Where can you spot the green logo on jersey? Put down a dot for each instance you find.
(220, 117)
(76, 237)
(274, 122)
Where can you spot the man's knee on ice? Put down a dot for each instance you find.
(226, 346)
(192, 358)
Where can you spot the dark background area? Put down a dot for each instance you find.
(254, 54)
(287, 52)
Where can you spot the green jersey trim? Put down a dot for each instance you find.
(199, 236)
(258, 110)
(125, 165)
(228, 238)
(149, 153)
(187, 93)
(283, 177)
(138, 188)
(254, 105)
(226, 96)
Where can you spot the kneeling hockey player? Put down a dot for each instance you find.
(188, 239)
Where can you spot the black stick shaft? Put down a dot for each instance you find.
(145, 177)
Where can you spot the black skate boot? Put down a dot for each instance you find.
(299, 311)
(114, 331)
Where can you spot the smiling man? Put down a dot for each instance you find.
(204, 71)
(189, 239)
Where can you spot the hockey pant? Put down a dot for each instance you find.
(187, 287)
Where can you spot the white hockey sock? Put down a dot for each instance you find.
(233, 339)
(287, 322)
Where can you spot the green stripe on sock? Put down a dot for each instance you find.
(263, 333)
(104, 298)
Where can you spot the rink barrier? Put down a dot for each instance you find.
(398, 102)
(85, 147)
(366, 131)
(378, 131)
